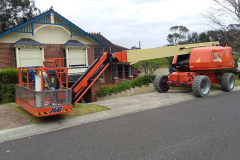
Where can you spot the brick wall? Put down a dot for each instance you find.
(93, 90)
(6, 56)
(90, 52)
(95, 87)
(53, 51)
(108, 75)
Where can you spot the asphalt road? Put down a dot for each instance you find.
(206, 128)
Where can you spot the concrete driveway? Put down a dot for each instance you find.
(155, 98)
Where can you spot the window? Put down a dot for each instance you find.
(30, 57)
(123, 71)
(77, 57)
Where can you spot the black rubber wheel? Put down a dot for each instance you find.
(158, 85)
(201, 86)
(228, 82)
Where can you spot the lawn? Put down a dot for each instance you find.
(77, 110)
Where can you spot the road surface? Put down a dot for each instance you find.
(206, 128)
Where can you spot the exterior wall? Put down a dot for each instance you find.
(90, 54)
(108, 75)
(53, 51)
(6, 56)
(93, 90)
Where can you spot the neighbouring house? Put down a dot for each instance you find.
(50, 35)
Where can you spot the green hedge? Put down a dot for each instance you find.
(8, 79)
(124, 85)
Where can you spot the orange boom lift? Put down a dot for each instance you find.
(196, 66)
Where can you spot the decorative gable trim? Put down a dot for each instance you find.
(49, 18)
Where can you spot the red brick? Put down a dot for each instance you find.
(6, 56)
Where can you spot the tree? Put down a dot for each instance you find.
(178, 36)
(193, 37)
(12, 12)
(134, 48)
(149, 66)
(223, 12)
(203, 37)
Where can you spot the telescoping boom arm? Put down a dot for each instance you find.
(134, 56)
(81, 86)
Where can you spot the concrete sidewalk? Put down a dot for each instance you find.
(120, 106)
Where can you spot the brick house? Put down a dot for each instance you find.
(50, 35)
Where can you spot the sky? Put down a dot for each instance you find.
(126, 22)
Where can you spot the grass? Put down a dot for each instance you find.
(77, 110)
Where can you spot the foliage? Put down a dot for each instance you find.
(203, 37)
(169, 60)
(232, 70)
(221, 12)
(12, 12)
(178, 36)
(193, 37)
(134, 48)
(149, 66)
(8, 79)
(223, 17)
(124, 85)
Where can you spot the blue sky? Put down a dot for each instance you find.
(126, 22)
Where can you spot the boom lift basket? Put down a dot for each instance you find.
(37, 96)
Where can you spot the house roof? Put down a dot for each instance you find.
(106, 45)
(44, 18)
(73, 43)
(28, 42)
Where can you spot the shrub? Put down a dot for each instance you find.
(104, 91)
(8, 79)
(231, 70)
(8, 93)
(124, 85)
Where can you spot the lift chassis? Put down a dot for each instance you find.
(198, 70)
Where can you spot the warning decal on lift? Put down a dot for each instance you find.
(52, 79)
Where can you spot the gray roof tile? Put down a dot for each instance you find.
(27, 42)
(74, 43)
